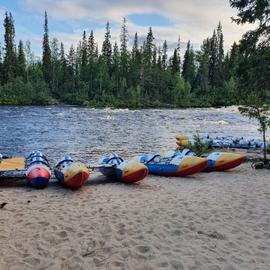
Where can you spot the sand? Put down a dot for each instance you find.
(208, 221)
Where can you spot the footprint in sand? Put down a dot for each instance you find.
(62, 234)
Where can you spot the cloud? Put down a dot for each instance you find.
(191, 19)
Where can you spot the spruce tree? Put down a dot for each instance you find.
(106, 46)
(202, 78)
(91, 46)
(71, 66)
(164, 55)
(148, 47)
(46, 55)
(175, 63)
(124, 38)
(135, 48)
(189, 72)
(10, 56)
(123, 48)
(135, 63)
(63, 65)
(84, 58)
(1, 65)
(220, 55)
(21, 62)
(55, 66)
(116, 61)
(179, 52)
(159, 60)
(214, 61)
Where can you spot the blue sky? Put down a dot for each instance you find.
(191, 19)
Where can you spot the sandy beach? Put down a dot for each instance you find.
(207, 221)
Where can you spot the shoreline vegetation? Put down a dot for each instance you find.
(138, 74)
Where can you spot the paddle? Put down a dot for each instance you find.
(97, 166)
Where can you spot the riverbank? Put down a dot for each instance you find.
(207, 221)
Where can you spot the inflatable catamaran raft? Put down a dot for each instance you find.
(35, 169)
(172, 164)
(222, 142)
(129, 171)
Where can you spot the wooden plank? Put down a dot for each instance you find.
(12, 164)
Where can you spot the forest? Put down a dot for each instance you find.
(140, 75)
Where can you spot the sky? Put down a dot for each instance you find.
(193, 20)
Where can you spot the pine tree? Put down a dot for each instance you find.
(46, 55)
(106, 46)
(21, 62)
(10, 56)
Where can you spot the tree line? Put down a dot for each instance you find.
(145, 75)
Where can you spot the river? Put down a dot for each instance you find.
(87, 134)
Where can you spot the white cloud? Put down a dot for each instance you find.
(191, 19)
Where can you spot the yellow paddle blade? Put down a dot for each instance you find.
(12, 164)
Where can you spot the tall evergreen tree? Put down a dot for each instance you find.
(84, 58)
(159, 60)
(71, 67)
(135, 48)
(1, 65)
(189, 72)
(124, 38)
(175, 63)
(63, 65)
(9, 57)
(202, 86)
(123, 49)
(214, 61)
(135, 63)
(220, 54)
(106, 46)
(21, 62)
(91, 46)
(46, 55)
(55, 67)
(116, 62)
(164, 55)
(148, 47)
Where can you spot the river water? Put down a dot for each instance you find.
(87, 134)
